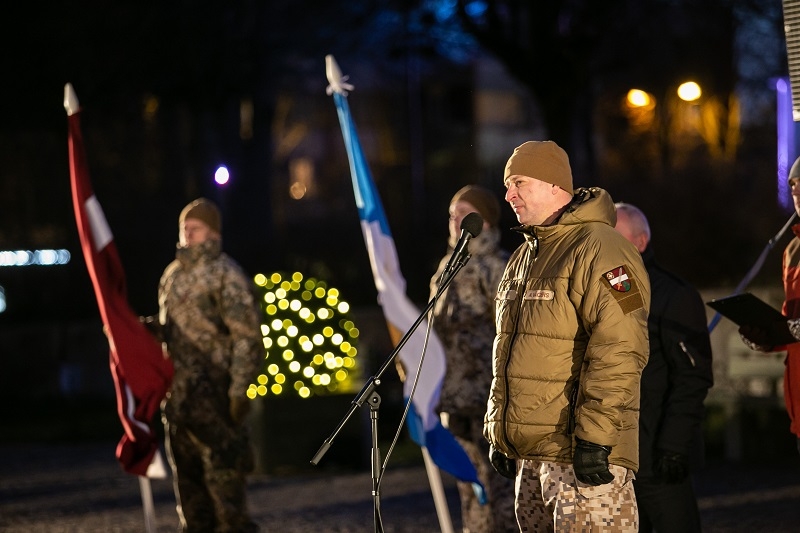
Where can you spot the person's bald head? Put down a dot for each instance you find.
(633, 225)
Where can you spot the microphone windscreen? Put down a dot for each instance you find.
(473, 224)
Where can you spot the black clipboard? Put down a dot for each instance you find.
(746, 309)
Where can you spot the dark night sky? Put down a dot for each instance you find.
(112, 54)
(188, 54)
(192, 56)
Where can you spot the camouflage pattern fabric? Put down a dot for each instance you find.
(464, 321)
(211, 328)
(209, 482)
(550, 499)
(497, 516)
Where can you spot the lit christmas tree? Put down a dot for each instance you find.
(309, 339)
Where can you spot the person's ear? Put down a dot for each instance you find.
(641, 242)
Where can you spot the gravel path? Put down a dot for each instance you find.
(81, 488)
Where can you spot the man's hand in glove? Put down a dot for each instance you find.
(591, 463)
(505, 467)
(672, 467)
(240, 406)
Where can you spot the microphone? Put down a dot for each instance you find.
(471, 226)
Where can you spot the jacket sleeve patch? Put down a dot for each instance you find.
(618, 279)
(624, 289)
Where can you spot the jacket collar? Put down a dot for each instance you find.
(205, 251)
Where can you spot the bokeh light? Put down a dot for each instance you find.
(689, 91)
(19, 258)
(638, 98)
(221, 176)
(639, 107)
(310, 342)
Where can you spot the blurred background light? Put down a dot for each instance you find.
(689, 91)
(221, 176)
(638, 98)
(306, 347)
(9, 258)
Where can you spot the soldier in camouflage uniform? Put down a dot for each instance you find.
(464, 321)
(209, 322)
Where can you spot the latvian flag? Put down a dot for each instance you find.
(141, 373)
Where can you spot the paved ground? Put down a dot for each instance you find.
(80, 488)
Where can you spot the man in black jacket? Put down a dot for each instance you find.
(674, 386)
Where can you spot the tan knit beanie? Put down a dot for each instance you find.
(203, 210)
(482, 199)
(542, 160)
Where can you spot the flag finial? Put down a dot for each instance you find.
(338, 83)
(70, 100)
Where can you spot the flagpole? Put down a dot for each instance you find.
(433, 471)
(147, 504)
(133, 347)
(370, 396)
(424, 425)
(439, 499)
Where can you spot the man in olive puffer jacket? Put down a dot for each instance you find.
(569, 353)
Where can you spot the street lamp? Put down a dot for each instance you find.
(639, 98)
(689, 91)
(640, 109)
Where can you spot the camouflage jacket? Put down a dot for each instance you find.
(464, 322)
(211, 326)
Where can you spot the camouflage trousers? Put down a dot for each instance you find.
(209, 481)
(497, 514)
(550, 499)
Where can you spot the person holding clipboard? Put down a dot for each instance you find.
(783, 333)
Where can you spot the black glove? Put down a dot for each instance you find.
(505, 467)
(591, 463)
(672, 467)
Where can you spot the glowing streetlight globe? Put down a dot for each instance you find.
(221, 176)
(689, 91)
(638, 98)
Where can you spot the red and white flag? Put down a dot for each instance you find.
(141, 373)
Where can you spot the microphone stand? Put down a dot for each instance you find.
(755, 268)
(370, 395)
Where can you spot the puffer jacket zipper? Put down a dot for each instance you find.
(533, 252)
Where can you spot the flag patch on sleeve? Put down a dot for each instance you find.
(624, 289)
(618, 279)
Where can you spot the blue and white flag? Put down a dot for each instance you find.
(424, 425)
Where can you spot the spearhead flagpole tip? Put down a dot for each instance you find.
(337, 81)
(70, 100)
